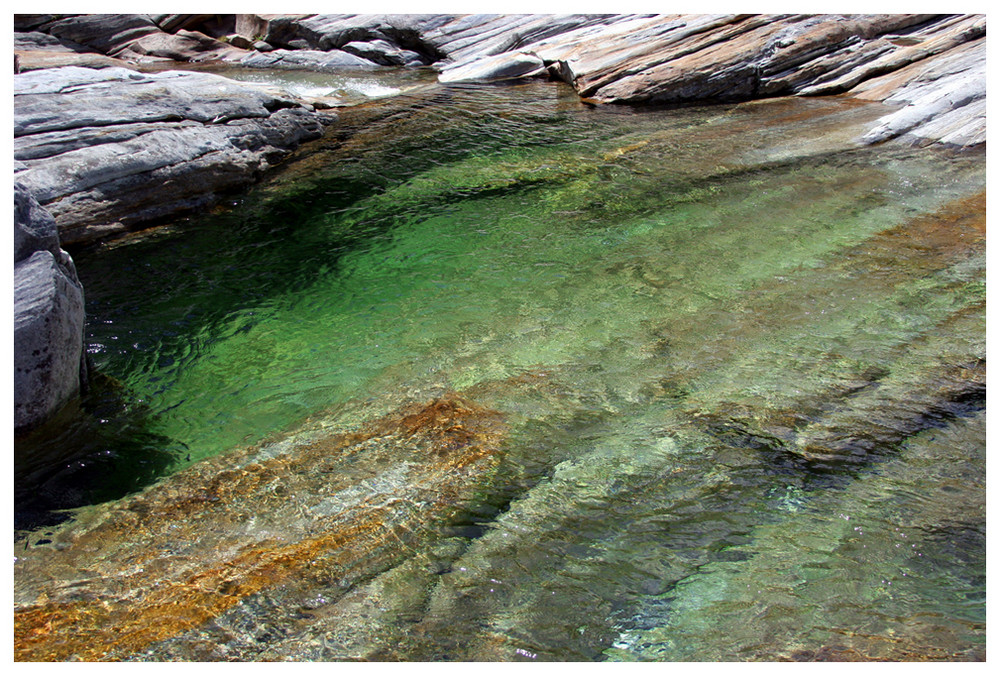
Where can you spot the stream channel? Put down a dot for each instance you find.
(487, 373)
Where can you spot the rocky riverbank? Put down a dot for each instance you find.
(49, 364)
(106, 149)
(488, 373)
(103, 148)
(99, 151)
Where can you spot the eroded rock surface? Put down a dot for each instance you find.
(933, 64)
(130, 37)
(329, 548)
(319, 510)
(49, 361)
(106, 149)
(916, 60)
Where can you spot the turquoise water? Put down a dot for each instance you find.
(741, 360)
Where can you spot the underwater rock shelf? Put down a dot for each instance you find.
(482, 369)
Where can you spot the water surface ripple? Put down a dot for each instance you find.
(489, 374)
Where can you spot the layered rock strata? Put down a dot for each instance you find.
(106, 149)
(424, 462)
(932, 65)
(49, 359)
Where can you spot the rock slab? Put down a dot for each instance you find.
(934, 65)
(104, 150)
(907, 59)
(931, 64)
(49, 360)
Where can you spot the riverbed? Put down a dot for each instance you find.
(722, 366)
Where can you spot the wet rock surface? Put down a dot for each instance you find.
(311, 514)
(640, 490)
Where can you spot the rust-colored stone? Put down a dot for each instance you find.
(140, 592)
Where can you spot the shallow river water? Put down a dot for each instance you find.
(490, 374)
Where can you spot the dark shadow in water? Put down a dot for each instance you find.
(219, 262)
(94, 450)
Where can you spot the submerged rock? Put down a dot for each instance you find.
(868, 409)
(258, 545)
(281, 522)
(844, 558)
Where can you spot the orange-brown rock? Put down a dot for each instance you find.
(274, 521)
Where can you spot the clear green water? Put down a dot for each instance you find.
(704, 297)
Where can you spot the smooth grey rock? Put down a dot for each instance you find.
(945, 102)
(488, 35)
(412, 59)
(35, 50)
(117, 96)
(964, 127)
(185, 45)
(237, 40)
(110, 149)
(307, 60)
(142, 37)
(29, 22)
(56, 81)
(163, 172)
(52, 143)
(49, 361)
(82, 169)
(105, 33)
(332, 31)
(172, 23)
(48, 339)
(34, 228)
(499, 67)
(381, 52)
(35, 40)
